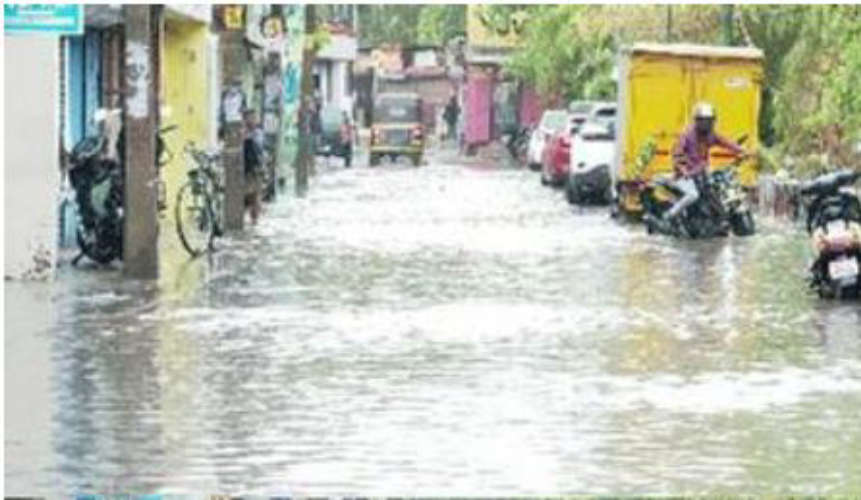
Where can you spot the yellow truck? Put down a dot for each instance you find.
(659, 85)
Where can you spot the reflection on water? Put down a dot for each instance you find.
(404, 330)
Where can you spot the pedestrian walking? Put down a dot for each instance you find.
(346, 134)
(253, 155)
(451, 114)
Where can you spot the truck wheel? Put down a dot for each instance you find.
(374, 160)
(742, 224)
(417, 160)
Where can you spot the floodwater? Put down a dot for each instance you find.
(444, 330)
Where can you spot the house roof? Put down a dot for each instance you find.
(683, 49)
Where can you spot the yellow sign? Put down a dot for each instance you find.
(494, 25)
(233, 18)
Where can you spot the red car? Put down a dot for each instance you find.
(556, 158)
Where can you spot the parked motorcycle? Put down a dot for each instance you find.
(98, 185)
(834, 225)
(517, 144)
(98, 180)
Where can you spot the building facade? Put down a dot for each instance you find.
(31, 162)
(334, 64)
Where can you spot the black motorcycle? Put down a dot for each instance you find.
(517, 143)
(834, 225)
(702, 219)
(720, 208)
(99, 191)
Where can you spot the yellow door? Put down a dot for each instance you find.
(733, 87)
(657, 109)
(184, 90)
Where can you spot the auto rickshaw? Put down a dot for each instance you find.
(397, 128)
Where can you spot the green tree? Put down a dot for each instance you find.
(775, 29)
(817, 103)
(440, 23)
(388, 24)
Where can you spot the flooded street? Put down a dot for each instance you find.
(449, 330)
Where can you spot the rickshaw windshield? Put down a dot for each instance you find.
(397, 110)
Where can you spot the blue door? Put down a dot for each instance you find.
(83, 97)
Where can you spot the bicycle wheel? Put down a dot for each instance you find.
(195, 222)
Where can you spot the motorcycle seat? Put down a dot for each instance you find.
(829, 183)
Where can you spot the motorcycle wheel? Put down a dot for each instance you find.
(98, 251)
(743, 224)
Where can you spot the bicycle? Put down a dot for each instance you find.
(200, 202)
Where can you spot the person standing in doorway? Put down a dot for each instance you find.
(452, 111)
(346, 134)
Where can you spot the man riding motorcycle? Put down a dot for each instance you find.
(691, 157)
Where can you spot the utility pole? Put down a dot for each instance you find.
(306, 155)
(233, 104)
(669, 23)
(272, 116)
(727, 17)
(140, 231)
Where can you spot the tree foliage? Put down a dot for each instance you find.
(388, 24)
(817, 103)
(440, 23)
(410, 24)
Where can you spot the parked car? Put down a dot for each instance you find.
(603, 112)
(592, 155)
(581, 108)
(557, 153)
(551, 122)
(398, 128)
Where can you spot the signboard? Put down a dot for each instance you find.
(43, 19)
(234, 17)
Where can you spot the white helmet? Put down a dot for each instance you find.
(704, 110)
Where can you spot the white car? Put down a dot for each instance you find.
(603, 112)
(592, 152)
(551, 122)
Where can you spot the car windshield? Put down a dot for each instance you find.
(397, 110)
(330, 119)
(554, 120)
(605, 113)
(580, 107)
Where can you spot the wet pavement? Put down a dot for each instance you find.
(443, 330)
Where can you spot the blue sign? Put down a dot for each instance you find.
(43, 18)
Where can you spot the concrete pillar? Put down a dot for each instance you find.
(305, 159)
(232, 64)
(140, 235)
(31, 164)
